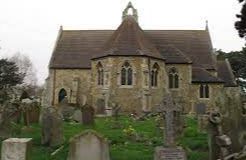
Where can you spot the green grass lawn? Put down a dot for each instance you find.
(122, 147)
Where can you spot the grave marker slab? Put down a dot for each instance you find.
(52, 131)
(16, 149)
(88, 145)
(87, 114)
(162, 153)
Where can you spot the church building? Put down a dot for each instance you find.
(136, 68)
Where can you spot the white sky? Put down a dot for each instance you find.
(31, 26)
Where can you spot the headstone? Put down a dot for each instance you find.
(169, 151)
(88, 145)
(66, 109)
(34, 114)
(101, 106)
(16, 149)
(116, 109)
(87, 115)
(31, 111)
(218, 142)
(52, 131)
(214, 150)
(10, 114)
(77, 116)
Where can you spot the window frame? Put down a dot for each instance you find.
(204, 91)
(173, 78)
(154, 75)
(128, 73)
(100, 74)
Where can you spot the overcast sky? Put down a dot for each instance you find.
(31, 26)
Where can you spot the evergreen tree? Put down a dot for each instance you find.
(9, 74)
(237, 60)
(241, 24)
(9, 77)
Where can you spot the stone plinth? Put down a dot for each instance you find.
(16, 149)
(176, 153)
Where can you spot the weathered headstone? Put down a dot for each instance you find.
(101, 109)
(52, 131)
(10, 114)
(116, 109)
(88, 145)
(77, 116)
(220, 145)
(67, 109)
(87, 114)
(16, 149)
(169, 151)
(162, 153)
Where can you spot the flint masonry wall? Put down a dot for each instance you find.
(181, 94)
(214, 91)
(140, 96)
(64, 78)
(137, 97)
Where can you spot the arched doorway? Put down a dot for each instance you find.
(62, 94)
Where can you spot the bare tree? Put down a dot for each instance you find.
(25, 67)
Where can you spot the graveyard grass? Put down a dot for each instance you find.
(123, 144)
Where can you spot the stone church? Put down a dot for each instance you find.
(136, 68)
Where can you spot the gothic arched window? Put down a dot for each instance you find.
(62, 94)
(173, 78)
(126, 74)
(154, 75)
(204, 91)
(100, 74)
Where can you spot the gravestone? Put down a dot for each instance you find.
(66, 109)
(16, 149)
(100, 106)
(88, 145)
(87, 115)
(116, 109)
(201, 108)
(52, 131)
(169, 151)
(10, 114)
(77, 116)
(31, 111)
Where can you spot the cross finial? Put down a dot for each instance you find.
(134, 12)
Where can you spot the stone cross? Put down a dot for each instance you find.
(168, 108)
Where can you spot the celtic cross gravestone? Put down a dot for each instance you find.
(169, 151)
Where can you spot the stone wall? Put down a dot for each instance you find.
(214, 91)
(76, 82)
(181, 94)
(135, 98)
(81, 85)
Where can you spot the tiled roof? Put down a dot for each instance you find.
(200, 75)
(129, 40)
(196, 44)
(173, 55)
(225, 73)
(75, 48)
